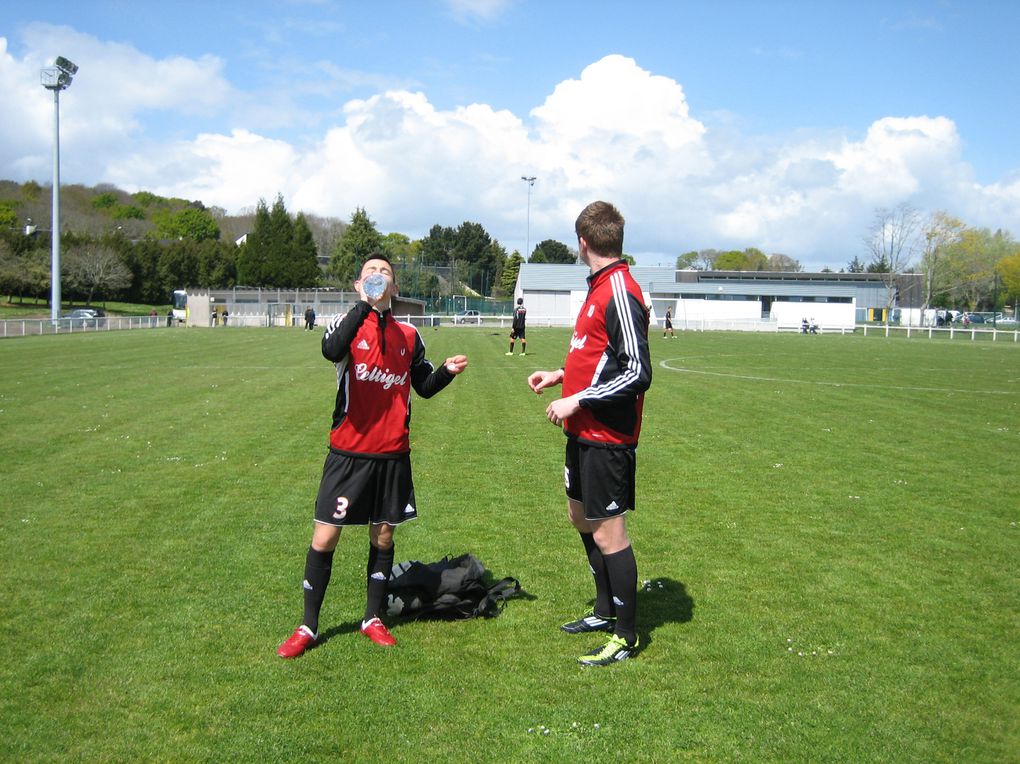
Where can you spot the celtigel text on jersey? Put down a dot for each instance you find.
(378, 361)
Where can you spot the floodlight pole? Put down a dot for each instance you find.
(56, 79)
(531, 182)
(55, 297)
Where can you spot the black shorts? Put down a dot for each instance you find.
(602, 479)
(669, 324)
(517, 334)
(357, 490)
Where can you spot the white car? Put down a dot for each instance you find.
(468, 317)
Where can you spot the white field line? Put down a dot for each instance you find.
(754, 378)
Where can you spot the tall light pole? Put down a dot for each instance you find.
(56, 78)
(531, 182)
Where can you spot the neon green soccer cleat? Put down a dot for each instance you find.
(615, 650)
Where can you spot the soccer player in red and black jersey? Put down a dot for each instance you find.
(366, 479)
(606, 374)
(518, 330)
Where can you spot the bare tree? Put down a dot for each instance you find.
(785, 263)
(94, 268)
(941, 233)
(893, 242)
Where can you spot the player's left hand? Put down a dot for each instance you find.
(561, 408)
(456, 364)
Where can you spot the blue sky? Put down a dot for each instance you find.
(780, 125)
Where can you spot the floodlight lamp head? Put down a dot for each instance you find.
(68, 67)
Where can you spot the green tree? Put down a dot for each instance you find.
(189, 223)
(399, 248)
(217, 264)
(478, 259)
(142, 259)
(731, 261)
(437, 247)
(756, 259)
(304, 261)
(972, 265)
(1008, 269)
(508, 278)
(104, 201)
(552, 251)
(278, 252)
(178, 266)
(498, 258)
(360, 239)
(855, 266)
(8, 217)
(253, 259)
(687, 261)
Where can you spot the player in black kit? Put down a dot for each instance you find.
(517, 329)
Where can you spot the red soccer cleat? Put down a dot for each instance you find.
(301, 640)
(375, 630)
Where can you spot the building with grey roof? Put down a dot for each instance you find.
(747, 300)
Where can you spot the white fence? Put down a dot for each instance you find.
(24, 327)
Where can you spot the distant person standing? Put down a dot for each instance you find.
(309, 319)
(226, 315)
(607, 370)
(668, 326)
(517, 329)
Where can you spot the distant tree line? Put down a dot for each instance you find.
(140, 247)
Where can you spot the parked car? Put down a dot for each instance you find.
(468, 317)
(84, 317)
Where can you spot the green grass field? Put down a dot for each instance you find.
(834, 522)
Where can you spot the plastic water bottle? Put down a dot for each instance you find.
(374, 286)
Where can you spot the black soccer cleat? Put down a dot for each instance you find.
(589, 623)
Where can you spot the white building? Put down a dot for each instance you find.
(742, 300)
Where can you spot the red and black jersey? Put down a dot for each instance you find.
(378, 360)
(609, 364)
(520, 316)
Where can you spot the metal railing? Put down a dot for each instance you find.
(28, 327)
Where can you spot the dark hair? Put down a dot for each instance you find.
(520, 300)
(601, 225)
(375, 254)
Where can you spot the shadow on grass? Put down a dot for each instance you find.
(662, 601)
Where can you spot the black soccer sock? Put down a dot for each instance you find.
(318, 567)
(622, 569)
(380, 563)
(603, 591)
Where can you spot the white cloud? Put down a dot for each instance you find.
(617, 132)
